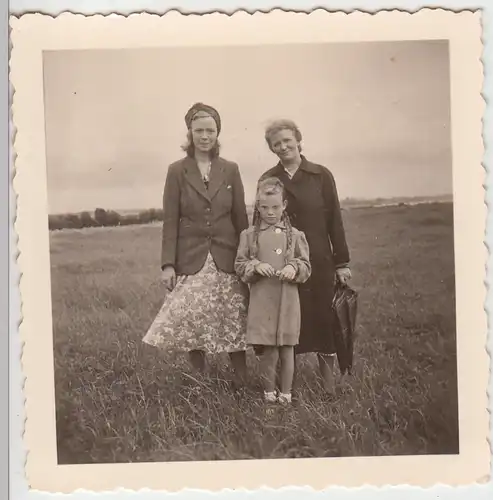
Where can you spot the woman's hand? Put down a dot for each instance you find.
(343, 275)
(265, 270)
(287, 273)
(168, 276)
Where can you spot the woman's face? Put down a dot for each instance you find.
(284, 144)
(204, 133)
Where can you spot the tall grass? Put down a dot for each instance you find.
(119, 400)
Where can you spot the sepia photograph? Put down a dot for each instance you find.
(251, 249)
(156, 278)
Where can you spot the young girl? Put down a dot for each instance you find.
(273, 258)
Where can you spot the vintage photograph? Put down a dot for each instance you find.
(163, 284)
(251, 250)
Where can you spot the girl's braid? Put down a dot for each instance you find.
(256, 231)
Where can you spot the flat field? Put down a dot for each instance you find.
(119, 400)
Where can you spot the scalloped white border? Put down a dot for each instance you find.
(33, 33)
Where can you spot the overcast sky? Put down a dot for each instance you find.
(375, 114)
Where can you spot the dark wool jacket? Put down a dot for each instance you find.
(198, 220)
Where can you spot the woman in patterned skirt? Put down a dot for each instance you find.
(204, 214)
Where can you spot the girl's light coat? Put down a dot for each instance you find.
(274, 316)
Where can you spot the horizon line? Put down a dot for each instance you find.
(342, 201)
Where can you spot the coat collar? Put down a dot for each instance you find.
(216, 176)
(264, 226)
(305, 165)
(308, 166)
(291, 186)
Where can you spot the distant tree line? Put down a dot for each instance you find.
(103, 218)
(107, 218)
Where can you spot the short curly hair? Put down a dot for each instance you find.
(283, 124)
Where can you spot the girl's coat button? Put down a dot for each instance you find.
(279, 251)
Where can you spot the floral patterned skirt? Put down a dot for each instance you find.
(206, 311)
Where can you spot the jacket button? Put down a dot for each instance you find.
(207, 209)
(208, 223)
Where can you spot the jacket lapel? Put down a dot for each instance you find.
(216, 178)
(192, 175)
(281, 174)
(292, 183)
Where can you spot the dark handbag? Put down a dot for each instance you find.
(344, 307)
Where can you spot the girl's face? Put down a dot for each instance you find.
(284, 144)
(204, 133)
(271, 207)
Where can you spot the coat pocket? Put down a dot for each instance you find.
(224, 196)
(185, 226)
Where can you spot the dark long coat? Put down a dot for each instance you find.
(313, 208)
(198, 220)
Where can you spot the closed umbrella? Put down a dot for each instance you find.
(344, 306)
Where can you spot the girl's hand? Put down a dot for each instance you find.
(343, 275)
(168, 276)
(288, 273)
(265, 270)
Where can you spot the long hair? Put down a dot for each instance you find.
(189, 147)
(271, 186)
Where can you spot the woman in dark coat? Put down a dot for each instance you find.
(313, 208)
(204, 214)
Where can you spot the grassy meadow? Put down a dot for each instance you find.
(119, 400)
